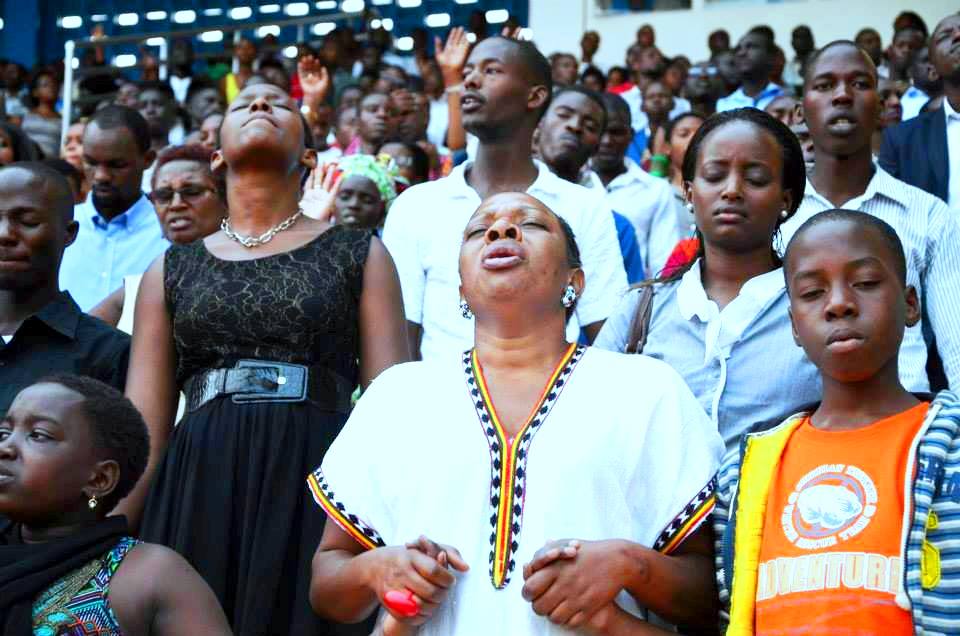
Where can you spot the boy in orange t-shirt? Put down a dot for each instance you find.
(814, 540)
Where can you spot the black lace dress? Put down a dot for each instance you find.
(230, 494)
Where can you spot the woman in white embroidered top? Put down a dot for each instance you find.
(520, 441)
(721, 320)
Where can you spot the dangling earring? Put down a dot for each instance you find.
(465, 310)
(784, 214)
(569, 297)
(92, 502)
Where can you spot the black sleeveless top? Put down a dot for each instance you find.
(298, 307)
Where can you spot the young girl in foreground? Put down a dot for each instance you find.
(70, 448)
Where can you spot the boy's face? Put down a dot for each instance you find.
(847, 302)
(46, 454)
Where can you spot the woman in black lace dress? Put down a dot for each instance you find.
(261, 325)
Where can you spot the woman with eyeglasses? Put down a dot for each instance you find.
(190, 206)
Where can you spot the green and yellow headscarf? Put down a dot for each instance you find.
(382, 170)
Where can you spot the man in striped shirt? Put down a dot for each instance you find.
(841, 107)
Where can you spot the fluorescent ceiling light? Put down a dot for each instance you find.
(496, 16)
(185, 17)
(125, 60)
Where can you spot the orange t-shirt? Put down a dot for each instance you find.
(830, 554)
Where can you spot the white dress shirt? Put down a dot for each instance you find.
(739, 99)
(930, 234)
(953, 155)
(648, 203)
(911, 102)
(424, 231)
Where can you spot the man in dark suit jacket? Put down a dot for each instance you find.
(916, 151)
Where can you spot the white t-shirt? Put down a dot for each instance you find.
(637, 465)
(424, 231)
(649, 203)
(439, 121)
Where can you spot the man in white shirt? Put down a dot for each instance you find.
(754, 60)
(841, 106)
(506, 89)
(646, 201)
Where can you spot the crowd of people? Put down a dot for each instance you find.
(480, 340)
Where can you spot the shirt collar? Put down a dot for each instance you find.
(692, 298)
(770, 89)
(139, 214)
(61, 314)
(459, 188)
(633, 175)
(881, 184)
(948, 110)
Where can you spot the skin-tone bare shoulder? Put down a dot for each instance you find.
(155, 591)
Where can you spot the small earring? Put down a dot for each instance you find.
(784, 214)
(690, 207)
(465, 310)
(569, 296)
(92, 502)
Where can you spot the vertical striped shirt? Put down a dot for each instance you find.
(930, 234)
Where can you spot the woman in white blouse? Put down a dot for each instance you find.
(522, 439)
(722, 320)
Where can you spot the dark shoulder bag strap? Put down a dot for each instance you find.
(640, 324)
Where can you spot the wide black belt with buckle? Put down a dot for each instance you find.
(253, 381)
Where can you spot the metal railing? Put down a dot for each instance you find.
(70, 46)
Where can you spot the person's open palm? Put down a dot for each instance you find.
(452, 56)
(314, 78)
(320, 192)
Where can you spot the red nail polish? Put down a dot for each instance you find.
(402, 602)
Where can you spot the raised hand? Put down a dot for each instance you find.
(314, 78)
(511, 32)
(452, 56)
(320, 192)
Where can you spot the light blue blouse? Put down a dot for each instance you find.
(763, 375)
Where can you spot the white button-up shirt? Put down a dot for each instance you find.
(648, 203)
(739, 99)
(930, 234)
(953, 156)
(912, 101)
(424, 231)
